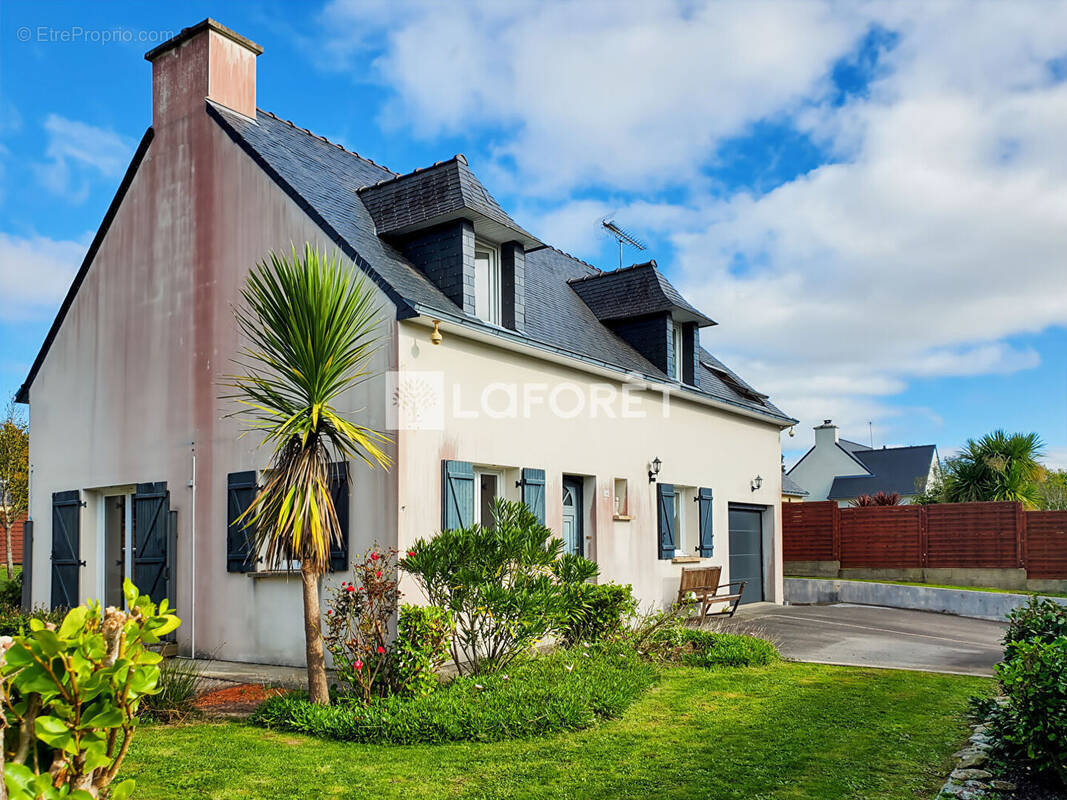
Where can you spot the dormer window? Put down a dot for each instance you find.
(487, 306)
(676, 364)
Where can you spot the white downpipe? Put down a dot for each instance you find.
(192, 556)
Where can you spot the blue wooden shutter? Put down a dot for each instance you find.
(533, 491)
(707, 540)
(665, 503)
(240, 492)
(66, 548)
(457, 494)
(151, 515)
(339, 493)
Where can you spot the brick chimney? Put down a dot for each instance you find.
(826, 434)
(207, 60)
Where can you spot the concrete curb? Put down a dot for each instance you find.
(960, 602)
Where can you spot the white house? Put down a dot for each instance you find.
(506, 367)
(837, 469)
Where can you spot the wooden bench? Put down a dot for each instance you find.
(701, 585)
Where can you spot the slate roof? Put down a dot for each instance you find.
(325, 180)
(852, 447)
(792, 488)
(437, 194)
(893, 469)
(634, 291)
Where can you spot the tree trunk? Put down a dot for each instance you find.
(318, 690)
(10, 552)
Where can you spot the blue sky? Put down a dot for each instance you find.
(871, 200)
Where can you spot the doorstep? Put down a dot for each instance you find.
(262, 674)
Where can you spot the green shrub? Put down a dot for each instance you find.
(423, 634)
(11, 590)
(503, 585)
(76, 690)
(595, 612)
(1040, 620)
(702, 648)
(178, 686)
(14, 621)
(564, 691)
(1032, 725)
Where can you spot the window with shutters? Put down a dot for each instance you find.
(488, 485)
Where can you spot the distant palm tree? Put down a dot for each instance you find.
(999, 466)
(311, 326)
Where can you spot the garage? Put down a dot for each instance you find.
(746, 550)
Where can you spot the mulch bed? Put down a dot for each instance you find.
(239, 700)
(1028, 788)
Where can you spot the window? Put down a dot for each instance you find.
(621, 500)
(487, 283)
(676, 362)
(487, 486)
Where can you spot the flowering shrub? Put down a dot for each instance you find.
(357, 624)
(71, 694)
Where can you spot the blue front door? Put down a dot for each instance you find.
(573, 537)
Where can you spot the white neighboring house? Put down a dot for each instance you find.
(837, 469)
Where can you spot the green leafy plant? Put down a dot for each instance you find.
(563, 691)
(312, 326)
(14, 477)
(998, 466)
(14, 620)
(595, 612)
(1040, 620)
(421, 646)
(72, 694)
(11, 591)
(1032, 725)
(502, 585)
(357, 624)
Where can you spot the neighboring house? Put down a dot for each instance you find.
(505, 368)
(837, 469)
(792, 492)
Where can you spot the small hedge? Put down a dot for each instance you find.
(565, 691)
(701, 648)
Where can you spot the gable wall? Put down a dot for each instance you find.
(816, 471)
(129, 390)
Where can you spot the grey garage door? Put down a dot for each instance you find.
(746, 551)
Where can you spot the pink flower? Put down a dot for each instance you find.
(358, 664)
(329, 610)
(378, 574)
(411, 553)
(381, 649)
(350, 589)
(373, 556)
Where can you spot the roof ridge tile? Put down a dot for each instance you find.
(314, 135)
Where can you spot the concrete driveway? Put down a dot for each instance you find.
(870, 636)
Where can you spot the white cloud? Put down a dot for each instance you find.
(76, 151)
(35, 273)
(936, 230)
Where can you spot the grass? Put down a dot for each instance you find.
(784, 731)
(935, 586)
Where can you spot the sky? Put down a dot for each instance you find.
(869, 198)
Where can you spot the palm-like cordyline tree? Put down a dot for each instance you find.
(311, 327)
(999, 466)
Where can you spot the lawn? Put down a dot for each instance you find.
(783, 731)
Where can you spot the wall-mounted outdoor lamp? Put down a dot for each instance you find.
(792, 431)
(653, 470)
(435, 336)
(757, 482)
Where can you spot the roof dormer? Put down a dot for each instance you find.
(642, 307)
(448, 225)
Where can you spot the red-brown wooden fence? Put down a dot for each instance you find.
(950, 535)
(16, 542)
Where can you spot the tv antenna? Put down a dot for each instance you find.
(622, 237)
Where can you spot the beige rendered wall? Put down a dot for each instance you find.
(129, 390)
(699, 447)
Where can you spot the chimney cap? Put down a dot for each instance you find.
(204, 25)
